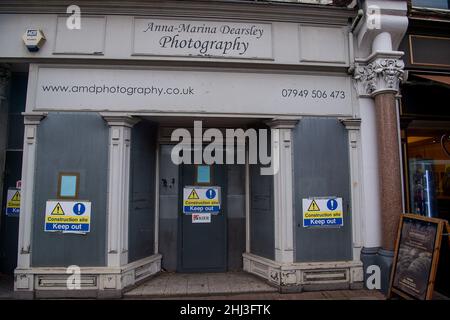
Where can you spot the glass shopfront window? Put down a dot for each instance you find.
(428, 164)
(425, 121)
(436, 4)
(428, 181)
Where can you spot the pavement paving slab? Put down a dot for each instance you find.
(231, 285)
(225, 286)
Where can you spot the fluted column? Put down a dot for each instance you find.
(118, 186)
(283, 185)
(353, 127)
(31, 121)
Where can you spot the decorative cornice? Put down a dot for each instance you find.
(380, 75)
(246, 10)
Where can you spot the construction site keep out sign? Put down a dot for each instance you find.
(323, 212)
(68, 216)
(201, 200)
(13, 203)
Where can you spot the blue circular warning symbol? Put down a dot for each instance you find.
(210, 193)
(332, 204)
(79, 209)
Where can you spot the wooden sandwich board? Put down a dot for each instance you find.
(416, 256)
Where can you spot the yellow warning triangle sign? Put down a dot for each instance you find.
(16, 197)
(58, 210)
(313, 206)
(193, 195)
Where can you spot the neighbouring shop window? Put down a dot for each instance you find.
(68, 185)
(436, 4)
(203, 174)
(429, 173)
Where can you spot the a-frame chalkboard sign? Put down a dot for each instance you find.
(416, 256)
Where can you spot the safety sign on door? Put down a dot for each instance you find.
(13, 203)
(68, 216)
(201, 200)
(323, 212)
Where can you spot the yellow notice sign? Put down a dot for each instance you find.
(68, 216)
(198, 199)
(16, 197)
(13, 203)
(313, 206)
(58, 210)
(323, 212)
(193, 195)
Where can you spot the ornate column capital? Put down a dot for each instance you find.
(379, 74)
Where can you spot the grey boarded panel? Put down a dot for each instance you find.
(141, 235)
(236, 216)
(168, 209)
(203, 247)
(262, 230)
(11, 136)
(74, 142)
(168, 206)
(321, 168)
(9, 226)
(236, 206)
(236, 243)
(236, 179)
(168, 230)
(16, 105)
(168, 173)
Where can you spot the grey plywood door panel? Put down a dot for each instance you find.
(321, 168)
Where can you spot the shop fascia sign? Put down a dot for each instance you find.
(221, 39)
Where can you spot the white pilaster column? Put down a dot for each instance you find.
(31, 121)
(370, 179)
(118, 186)
(354, 141)
(378, 69)
(281, 136)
